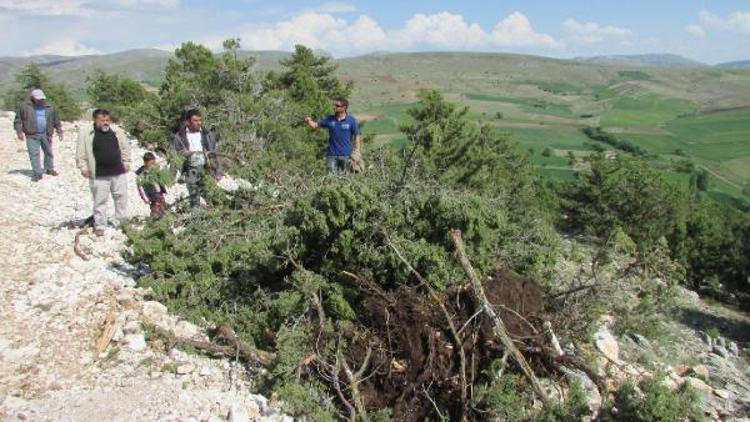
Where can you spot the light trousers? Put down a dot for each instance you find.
(104, 187)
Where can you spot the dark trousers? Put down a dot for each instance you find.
(196, 184)
(33, 144)
(338, 164)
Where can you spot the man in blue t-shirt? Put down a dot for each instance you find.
(344, 142)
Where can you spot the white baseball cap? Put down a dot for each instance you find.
(38, 94)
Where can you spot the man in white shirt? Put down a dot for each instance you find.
(198, 146)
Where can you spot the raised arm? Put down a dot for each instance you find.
(312, 123)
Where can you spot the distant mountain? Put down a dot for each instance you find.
(144, 65)
(642, 60)
(743, 64)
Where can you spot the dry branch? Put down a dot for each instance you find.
(236, 347)
(498, 327)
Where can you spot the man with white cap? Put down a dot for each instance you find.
(36, 123)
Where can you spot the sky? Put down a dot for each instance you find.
(707, 31)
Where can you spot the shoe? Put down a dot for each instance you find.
(52, 172)
(36, 177)
(99, 232)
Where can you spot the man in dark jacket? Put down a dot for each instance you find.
(36, 123)
(198, 147)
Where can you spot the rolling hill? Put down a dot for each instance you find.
(643, 60)
(742, 64)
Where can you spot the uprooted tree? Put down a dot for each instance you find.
(352, 282)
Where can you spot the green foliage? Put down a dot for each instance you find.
(309, 82)
(300, 402)
(598, 134)
(31, 77)
(572, 410)
(699, 180)
(460, 153)
(121, 96)
(502, 398)
(654, 403)
(156, 176)
(625, 193)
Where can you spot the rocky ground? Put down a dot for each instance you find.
(699, 344)
(55, 307)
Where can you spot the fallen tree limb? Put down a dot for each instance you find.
(236, 347)
(498, 327)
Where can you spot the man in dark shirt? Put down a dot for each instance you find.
(197, 146)
(103, 156)
(343, 137)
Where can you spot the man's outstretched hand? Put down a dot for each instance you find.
(310, 122)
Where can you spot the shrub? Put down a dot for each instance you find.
(655, 402)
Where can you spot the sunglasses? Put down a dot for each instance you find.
(338, 105)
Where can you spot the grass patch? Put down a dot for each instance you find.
(528, 105)
(558, 174)
(647, 110)
(559, 88)
(634, 75)
(552, 137)
(716, 136)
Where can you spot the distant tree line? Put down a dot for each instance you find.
(598, 134)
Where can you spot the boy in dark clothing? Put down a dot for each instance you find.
(152, 191)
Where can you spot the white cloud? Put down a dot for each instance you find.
(47, 7)
(738, 21)
(65, 47)
(589, 32)
(441, 30)
(696, 31)
(336, 7)
(516, 30)
(365, 34)
(311, 29)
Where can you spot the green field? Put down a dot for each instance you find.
(645, 111)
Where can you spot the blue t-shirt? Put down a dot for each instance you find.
(341, 134)
(41, 119)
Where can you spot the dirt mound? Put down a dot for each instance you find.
(415, 352)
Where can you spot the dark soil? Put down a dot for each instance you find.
(416, 359)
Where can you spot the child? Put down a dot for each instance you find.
(152, 191)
